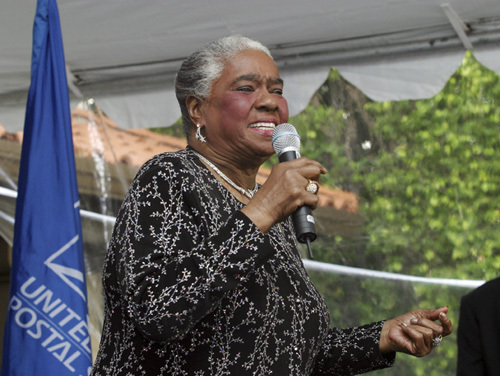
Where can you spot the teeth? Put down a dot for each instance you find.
(263, 125)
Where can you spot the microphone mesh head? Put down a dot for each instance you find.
(285, 136)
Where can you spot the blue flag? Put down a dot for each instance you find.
(46, 331)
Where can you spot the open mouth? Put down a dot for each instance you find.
(263, 126)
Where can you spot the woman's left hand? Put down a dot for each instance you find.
(416, 332)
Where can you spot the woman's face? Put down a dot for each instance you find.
(245, 105)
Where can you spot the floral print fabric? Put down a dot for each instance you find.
(193, 287)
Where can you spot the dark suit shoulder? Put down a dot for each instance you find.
(486, 291)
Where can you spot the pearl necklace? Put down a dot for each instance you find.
(246, 192)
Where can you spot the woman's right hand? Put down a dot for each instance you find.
(283, 192)
(415, 332)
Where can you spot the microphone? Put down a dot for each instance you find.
(286, 144)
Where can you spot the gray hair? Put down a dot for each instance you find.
(199, 71)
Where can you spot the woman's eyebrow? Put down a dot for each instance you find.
(276, 80)
(256, 77)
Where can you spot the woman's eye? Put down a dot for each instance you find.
(245, 88)
(278, 91)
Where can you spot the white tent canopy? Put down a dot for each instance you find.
(125, 53)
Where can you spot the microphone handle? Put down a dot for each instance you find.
(302, 218)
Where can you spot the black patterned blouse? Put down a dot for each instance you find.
(193, 287)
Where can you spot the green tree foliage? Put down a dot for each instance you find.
(431, 185)
(428, 177)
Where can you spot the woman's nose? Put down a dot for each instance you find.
(267, 101)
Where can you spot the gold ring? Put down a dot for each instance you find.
(312, 187)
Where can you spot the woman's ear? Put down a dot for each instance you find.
(194, 107)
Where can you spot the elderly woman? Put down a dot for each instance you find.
(202, 275)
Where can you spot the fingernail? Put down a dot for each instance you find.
(404, 324)
(414, 321)
(443, 315)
